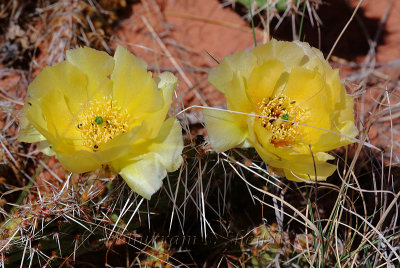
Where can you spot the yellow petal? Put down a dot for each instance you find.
(168, 145)
(145, 175)
(166, 148)
(343, 127)
(46, 148)
(236, 92)
(263, 80)
(125, 147)
(293, 160)
(55, 96)
(314, 59)
(231, 76)
(303, 86)
(54, 122)
(119, 146)
(64, 78)
(299, 167)
(335, 91)
(166, 84)
(240, 63)
(92, 62)
(303, 167)
(223, 130)
(79, 161)
(294, 168)
(27, 132)
(308, 89)
(288, 53)
(307, 173)
(32, 113)
(134, 87)
(60, 121)
(269, 156)
(220, 76)
(263, 136)
(96, 65)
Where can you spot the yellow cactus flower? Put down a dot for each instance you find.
(287, 103)
(93, 110)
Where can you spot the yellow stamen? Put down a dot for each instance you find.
(100, 121)
(281, 116)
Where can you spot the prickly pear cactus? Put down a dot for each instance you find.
(269, 246)
(280, 5)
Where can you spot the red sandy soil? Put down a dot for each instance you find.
(384, 131)
(189, 29)
(390, 49)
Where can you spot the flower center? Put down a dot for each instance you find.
(100, 121)
(281, 116)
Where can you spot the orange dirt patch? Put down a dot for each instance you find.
(389, 9)
(187, 31)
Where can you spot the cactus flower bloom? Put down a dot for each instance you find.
(291, 106)
(93, 111)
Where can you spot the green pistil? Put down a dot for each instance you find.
(98, 120)
(285, 116)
